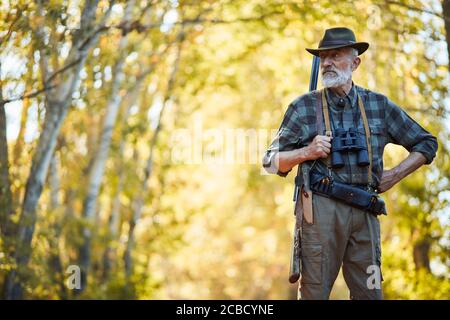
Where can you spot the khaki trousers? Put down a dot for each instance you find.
(340, 235)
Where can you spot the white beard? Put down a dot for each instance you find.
(337, 79)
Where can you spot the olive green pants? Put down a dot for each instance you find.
(340, 235)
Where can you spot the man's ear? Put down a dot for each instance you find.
(355, 63)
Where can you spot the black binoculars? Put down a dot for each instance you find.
(348, 141)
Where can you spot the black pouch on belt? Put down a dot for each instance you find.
(349, 194)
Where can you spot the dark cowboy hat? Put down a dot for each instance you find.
(335, 38)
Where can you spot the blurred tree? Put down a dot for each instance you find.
(58, 100)
(153, 185)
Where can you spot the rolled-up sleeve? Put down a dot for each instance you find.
(403, 130)
(287, 138)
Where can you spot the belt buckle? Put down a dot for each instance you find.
(324, 184)
(328, 182)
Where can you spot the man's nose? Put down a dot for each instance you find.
(326, 62)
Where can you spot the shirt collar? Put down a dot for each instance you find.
(349, 99)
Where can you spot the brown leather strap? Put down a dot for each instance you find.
(319, 113)
(326, 115)
(367, 130)
(328, 132)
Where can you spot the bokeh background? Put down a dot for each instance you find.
(131, 135)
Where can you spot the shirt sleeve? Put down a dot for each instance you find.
(287, 138)
(403, 130)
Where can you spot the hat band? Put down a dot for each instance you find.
(335, 43)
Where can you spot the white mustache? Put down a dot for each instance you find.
(330, 70)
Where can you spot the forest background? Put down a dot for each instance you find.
(132, 132)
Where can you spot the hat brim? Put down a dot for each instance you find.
(360, 46)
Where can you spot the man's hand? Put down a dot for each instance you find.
(388, 180)
(319, 148)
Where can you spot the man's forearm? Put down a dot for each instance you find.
(391, 177)
(413, 162)
(286, 160)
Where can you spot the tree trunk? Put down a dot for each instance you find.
(6, 207)
(138, 201)
(97, 168)
(421, 250)
(446, 13)
(54, 261)
(58, 101)
(54, 183)
(17, 161)
(113, 223)
(113, 226)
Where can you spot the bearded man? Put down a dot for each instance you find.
(341, 131)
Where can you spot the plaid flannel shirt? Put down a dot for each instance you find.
(388, 123)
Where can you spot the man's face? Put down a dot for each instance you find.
(337, 66)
